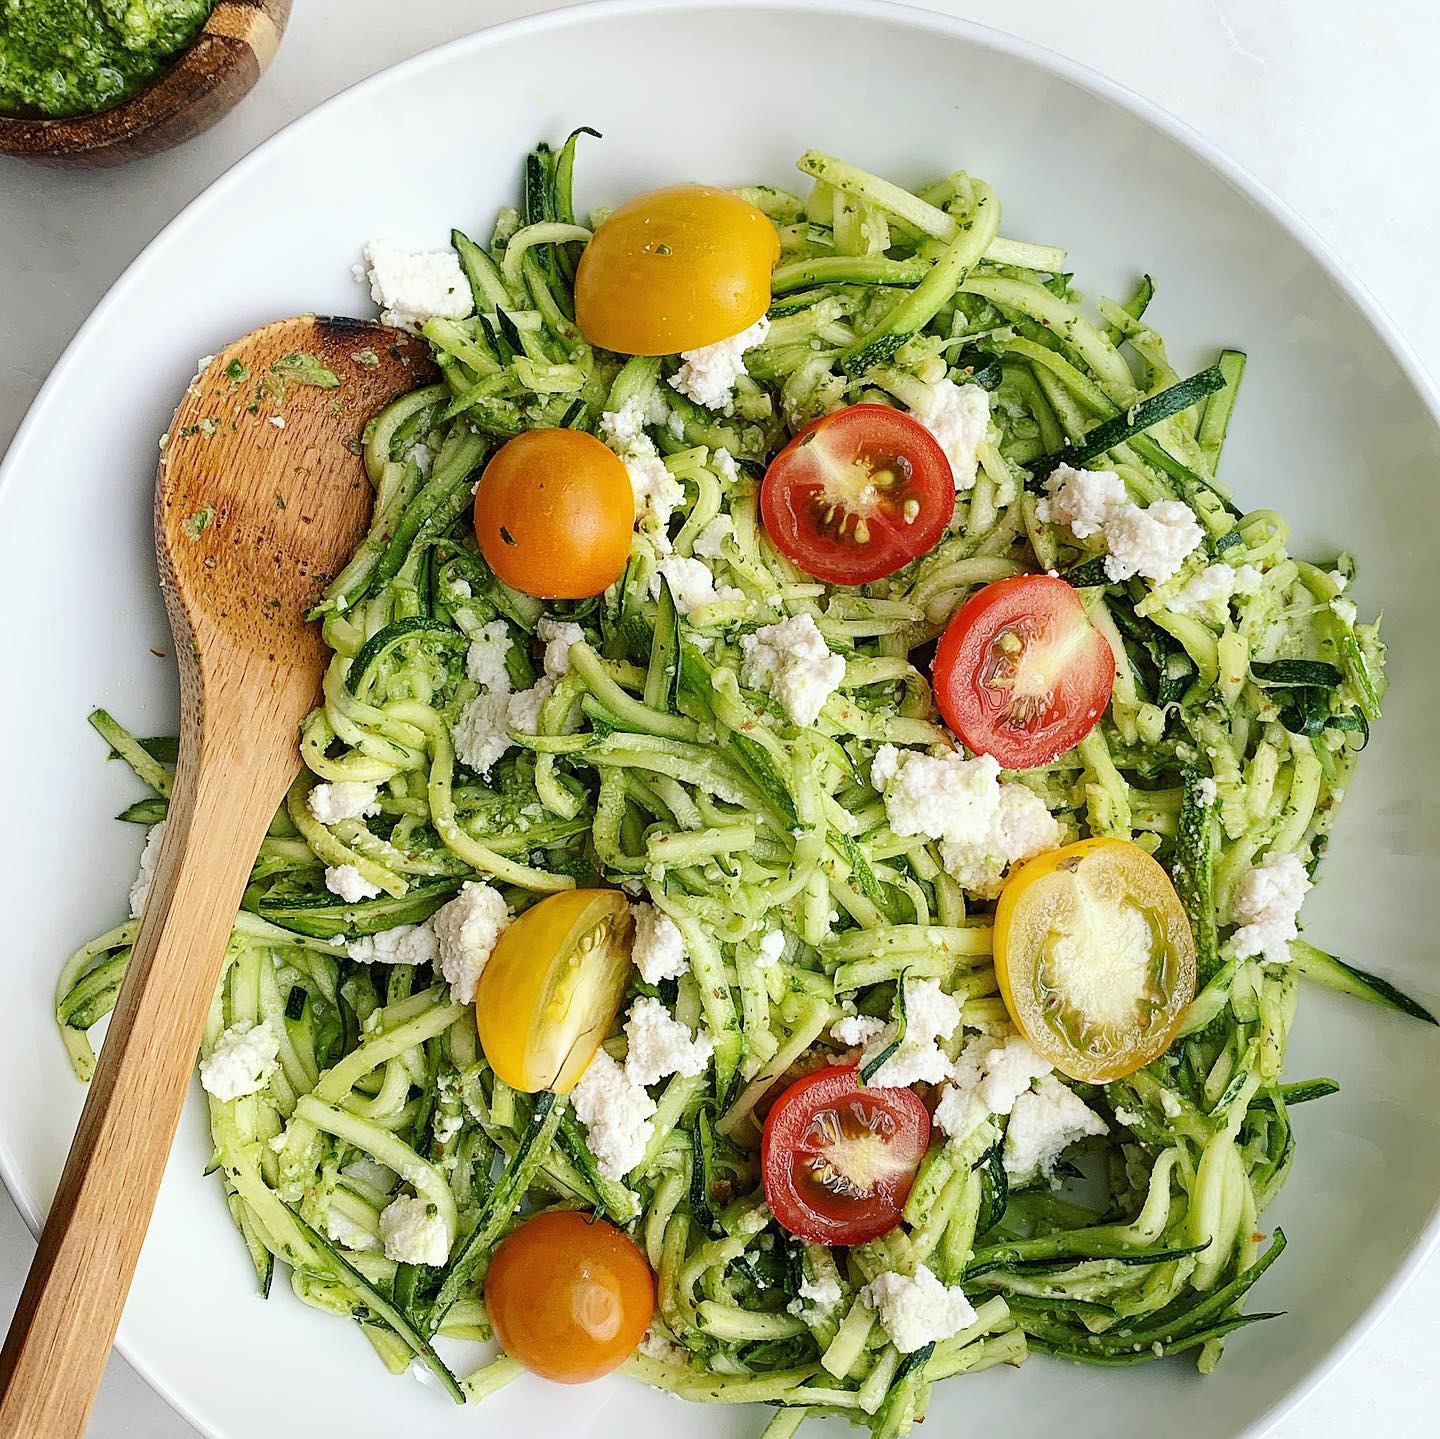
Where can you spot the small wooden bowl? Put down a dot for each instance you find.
(223, 62)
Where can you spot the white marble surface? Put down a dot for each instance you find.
(1332, 105)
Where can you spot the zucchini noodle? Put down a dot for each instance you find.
(1232, 735)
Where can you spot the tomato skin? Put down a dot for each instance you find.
(674, 270)
(569, 1297)
(826, 1134)
(1095, 1015)
(835, 499)
(552, 987)
(1027, 707)
(554, 511)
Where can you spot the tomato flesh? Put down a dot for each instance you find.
(569, 1297)
(858, 494)
(839, 1159)
(552, 988)
(1020, 672)
(1095, 957)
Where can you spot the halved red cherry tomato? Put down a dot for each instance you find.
(1020, 672)
(858, 494)
(839, 1159)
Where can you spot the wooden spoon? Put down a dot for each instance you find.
(260, 496)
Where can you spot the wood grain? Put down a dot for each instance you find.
(282, 506)
(218, 70)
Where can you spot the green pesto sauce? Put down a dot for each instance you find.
(73, 57)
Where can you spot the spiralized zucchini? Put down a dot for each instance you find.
(651, 766)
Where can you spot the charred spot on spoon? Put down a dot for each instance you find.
(345, 328)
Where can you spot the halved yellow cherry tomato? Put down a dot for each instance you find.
(1095, 957)
(553, 514)
(552, 988)
(674, 270)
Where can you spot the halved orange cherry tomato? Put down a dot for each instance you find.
(552, 988)
(569, 1297)
(553, 514)
(1020, 673)
(674, 270)
(858, 494)
(839, 1160)
(1095, 957)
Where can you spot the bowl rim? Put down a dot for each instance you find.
(892, 13)
(58, 135)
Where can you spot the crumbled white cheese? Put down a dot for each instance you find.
(1346, 611)
(616, 1113)
(656, 491)
(1045, 1122)
(404, 944)
(710, 542)
(1205, 790)
(691, 583)
(792, 661)
(558, 635)
(140, 889)
(930, 1016)
(659, 948)
(485, 659)
(1152, 542)
(1213, 587)
(916, 1310)
(772, 946)
(992, 1072)
(983, 825)
(466, 931)
(659, 1045)
(1170, 1103)
(243, 1060)
(411, 287)
(723, 463)
(708, 375)
(621, 428)
(1339, 579)
(1082, 499)
(822, 1293)
(414, 1232)
(856, 1029)
(1267, 905)
(522, 712)
(342, 1230)
(481, 733)
(344, 799)
(958, 416)
(347, 881)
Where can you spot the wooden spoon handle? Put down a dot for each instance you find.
(54, 1357)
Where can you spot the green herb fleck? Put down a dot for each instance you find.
(199, 522)
(367, 359)
(237, 372)
(279, 501)
(306, 370)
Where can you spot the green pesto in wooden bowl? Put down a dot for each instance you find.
(61, 58)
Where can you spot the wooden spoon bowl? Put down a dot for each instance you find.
(261, 494)
(218, 70)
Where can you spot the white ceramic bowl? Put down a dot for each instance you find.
(1336, 427)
